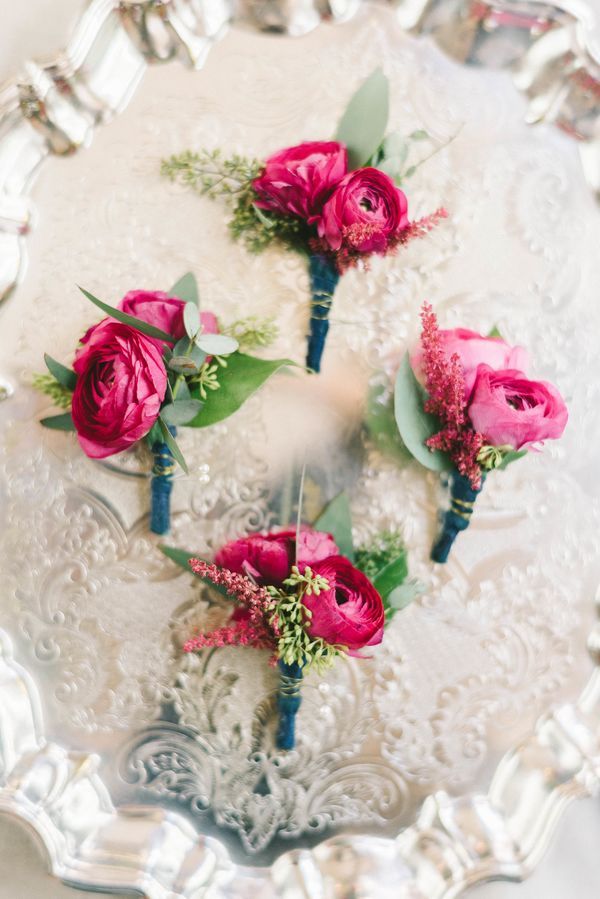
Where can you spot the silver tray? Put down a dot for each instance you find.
(429, 768)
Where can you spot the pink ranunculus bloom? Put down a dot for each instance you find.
(121, 383)
(268, 558)
(350, 613)
(159, 309)
(473, 350)
(511, 410)
(365, 213)
(298, 180)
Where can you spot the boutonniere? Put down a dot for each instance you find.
(464, 404)
(155, 363)
(337, 202)
(306, 596)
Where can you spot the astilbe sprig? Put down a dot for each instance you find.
(445, 383)
(254, 630)
(276, 619)
(349, 254)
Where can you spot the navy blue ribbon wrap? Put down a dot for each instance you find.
(324, 277)
(288, 703)
(161, 486)
(458, 517)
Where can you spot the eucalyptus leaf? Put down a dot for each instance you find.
(381, 426)
(63, 375)
(62, 422)
(242, 377)
(391, 576)
(126, 319)
(510, 457)
(181, 347)
(402, 596)
(336, 519)
(183, 391)
(172, 444)
(362, 127)
(191, 320)
(393, 165)
(183, 365)
(393, 144)
(186, 289)
(181, 411)
(182, 558)
(414, 424)
(217, 344)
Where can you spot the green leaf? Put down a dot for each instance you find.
(416, 425)
(264, 219)
(126, 319)
(391, 575)
(510, 457)
(217, 344)
(172, 444)
(419, 134)
(191, 319)
(63, 375)
(242, 377)
(62, 422)
(403, 595)
(392, 165)
(181, 411)
(381, 426)
(362, 127)
(186, 289)
(188, 363)
(495, 332)
(183, 391)
(182, 558)
(154, 435)
(336, 519)
(410, 171)
(181, 347)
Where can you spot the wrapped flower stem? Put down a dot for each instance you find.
(324, 277)
(161, 486)
(288, 703)
(458, 517)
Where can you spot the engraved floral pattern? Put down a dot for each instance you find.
(95, 609)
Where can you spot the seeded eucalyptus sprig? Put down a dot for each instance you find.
(60, 395)
(208, 172)
(252, 332)
(290, 617)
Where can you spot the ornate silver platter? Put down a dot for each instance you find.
(427, 768)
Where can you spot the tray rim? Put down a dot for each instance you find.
(443, 852)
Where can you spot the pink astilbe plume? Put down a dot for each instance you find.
(356, 235)
(445, 382)
(253, 630)
(422, 227)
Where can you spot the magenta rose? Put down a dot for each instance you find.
(268, 558)
(159, 309)
(365, 213)
(298, 180)
(473, 350)
(510, 410)
(350, 613)
(121, 383)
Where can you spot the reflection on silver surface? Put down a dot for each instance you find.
(453, 844)
(53, 109)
